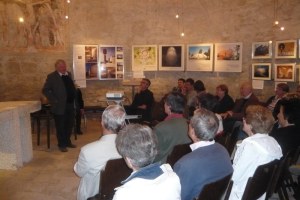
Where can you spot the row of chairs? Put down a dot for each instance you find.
(269, 178)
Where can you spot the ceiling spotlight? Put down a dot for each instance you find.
(276, 22)
(68, 1)
(67, 17)
(270, 42)
(182, 34)
(21, 19)
(282, 28)
(177, 16)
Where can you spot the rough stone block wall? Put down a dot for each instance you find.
(133, 22)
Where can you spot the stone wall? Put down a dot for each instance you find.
(136, 22)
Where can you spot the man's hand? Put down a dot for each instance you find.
(144, 107)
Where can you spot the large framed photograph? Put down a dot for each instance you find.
(261, 71)
(200, 57)
(171, 58)
(261, 50)
(228, 57)
(144, 58)
(285, 72)
(285, 49)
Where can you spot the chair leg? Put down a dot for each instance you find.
(38, 122)
(48, 132)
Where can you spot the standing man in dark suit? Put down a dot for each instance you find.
(60, 90)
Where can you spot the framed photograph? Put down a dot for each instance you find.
(285, 72)
(285, 49)
(200, 57)
(171, 58)
(144, 58)
(261, 50)
(111, 62)
(228, 57)
(299, 48)
(261, 71)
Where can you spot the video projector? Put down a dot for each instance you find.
(115, 95)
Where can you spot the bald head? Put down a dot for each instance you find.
(246, 89)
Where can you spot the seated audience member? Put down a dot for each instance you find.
(190, 95)
(288, 134)
(208, 161)
(93, 157)
(226, 103)
(210, 102)
(199, 88)
(239, 108)
(138, 146)
(180, 86)
(298, 89)
(271, 103)
(174, 129)
(258, 149)
(142, 102)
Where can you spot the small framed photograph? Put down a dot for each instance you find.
(285, 72)
(171, 58)
(199, 57)
(261, 50)
(144, 58)
(261, 71)
(228, 57)
(285, 49)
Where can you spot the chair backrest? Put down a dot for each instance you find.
(115, 171)
(177, 152)
(282, 172)
(260, 182)
(215, 190)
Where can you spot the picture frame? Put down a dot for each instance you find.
(171, 57)
(298, 48)
(228, 57)
(111, 62)
(285, 72)
(261, 71)
(262, 50)
(285, 49)
(144, 57)
(200, 57)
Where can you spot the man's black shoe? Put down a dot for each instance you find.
(63, 149)
(71, 145)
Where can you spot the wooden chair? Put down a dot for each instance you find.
(38, 116)
(177, 152)
(115, 171)
(260, 182)
(215, 190)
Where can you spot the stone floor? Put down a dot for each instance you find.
(50, 174)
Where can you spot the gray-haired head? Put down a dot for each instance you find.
(138, 143)
(176, 101)
(113, 118)
(205, 124)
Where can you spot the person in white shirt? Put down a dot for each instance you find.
(93, 157)
(138, 146)
(258, 149)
